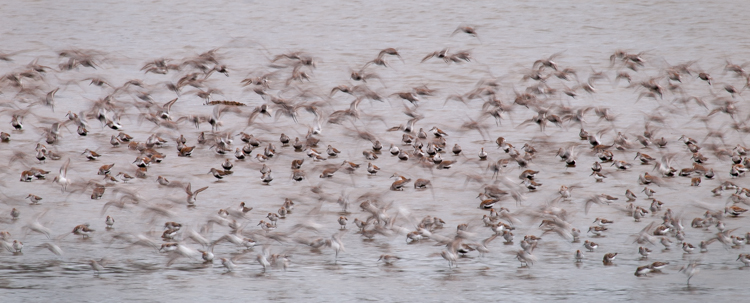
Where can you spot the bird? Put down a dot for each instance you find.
(193, 195)
(96, 266)
(62, 178)
(228, 264)
(219, 174)
(467, 29)
(609, 258)
(34, 198)
(591, 246)
(335, 243)
(579, 256)
(389, 259)
(83, 230)
(690, 270)
(744, 258)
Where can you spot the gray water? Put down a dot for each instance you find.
(342, 36)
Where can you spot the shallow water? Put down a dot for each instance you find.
(342, 36)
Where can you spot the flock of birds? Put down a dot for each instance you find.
(502, 165)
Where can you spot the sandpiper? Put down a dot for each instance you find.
(105, 169)
(372, 168)
(744, 258)
(34, 199)
(207, 256)
(531, 184)
(83, 230)
(609, 258)
(193, 195)
(219, 174)
(273, 218)
(90, 154)
(266, 178)
(630, 195)
(734, 210)
(399, 184)
(422, 184)
(284, 139)
(227, 165)
(123, 176)
(591, 246)
(644, 158)
(17, 247)
(642, 270)
(482, 154)
(687, 247)
(598, 176)
(644, 251)
(649, 192)
(597, 230)
(658, 266)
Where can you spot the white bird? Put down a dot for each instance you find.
(207, 256)
(183, 251)
(97, 266)
(336, 244)
(450, 256)
(53, 248)
(228, 264)
(17, 247)
(34, 225)
(690, 270)
(62, 179)
(525, 258)
(262, 260)
(579, 256)
(192, 195)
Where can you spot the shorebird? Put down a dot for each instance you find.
(609, 258)
(34, 199)
(219, 174)
(467, 29)
(630, 195)
(193, 195)
(399, 184)
(110, 222)
(525, 258)
(96, 266)
(643, 251)
(690, 270)
(591, 246)
(388, 259)
(642, 270)
(83, 230)
(90, 154)
(372, 168)
(62, 178)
